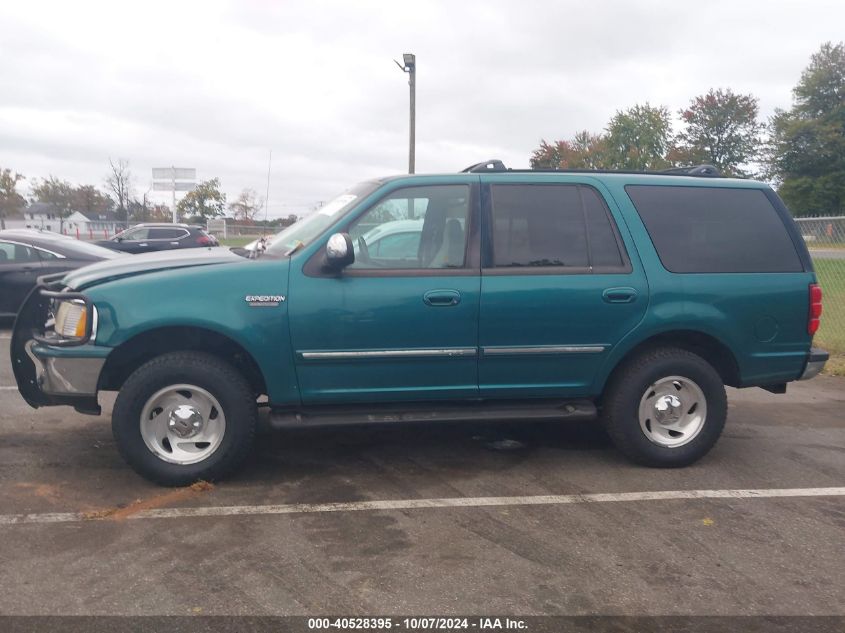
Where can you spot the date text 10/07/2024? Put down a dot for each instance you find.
(419, 623)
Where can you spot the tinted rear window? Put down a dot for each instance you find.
(167, 234)
(551, 225)
(715, 230)
(538, 225)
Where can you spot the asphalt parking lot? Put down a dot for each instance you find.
(108, 552)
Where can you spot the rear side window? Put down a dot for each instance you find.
(715, 230)
(46, 255)
(566, 226)
(167, 234)
(604, 246)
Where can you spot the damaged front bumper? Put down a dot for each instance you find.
(49, 370)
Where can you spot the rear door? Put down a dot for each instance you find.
(561, 286)
(20, 266)
(166, 238)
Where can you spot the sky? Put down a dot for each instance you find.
(218, 85)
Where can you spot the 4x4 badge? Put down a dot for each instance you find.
(264, 301)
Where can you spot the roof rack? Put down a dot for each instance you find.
(708, 171)
(496, 165)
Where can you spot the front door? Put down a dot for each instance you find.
(20, 266)
(558, 290)
(132, 241)
(401, 323)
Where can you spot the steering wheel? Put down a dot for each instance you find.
(363, 251)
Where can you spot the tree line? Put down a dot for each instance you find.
(204, 202)
(64, 198)
(800, 150)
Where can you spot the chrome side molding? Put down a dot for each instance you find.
(543, 349)
(389, 353)
(508, 350)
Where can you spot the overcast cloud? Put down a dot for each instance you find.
(216, 85)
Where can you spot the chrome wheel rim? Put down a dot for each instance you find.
(672, 411)
(182, 424)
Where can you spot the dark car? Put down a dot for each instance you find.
(146, 238)
(27, 254)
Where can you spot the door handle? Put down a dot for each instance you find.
(442, 298)
(619, 295)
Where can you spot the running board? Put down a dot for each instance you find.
(479, 411)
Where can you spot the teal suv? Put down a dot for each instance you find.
(633, 298)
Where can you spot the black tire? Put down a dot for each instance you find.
(208, 372)
(621, 402)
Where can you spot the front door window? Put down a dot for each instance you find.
(414, 228)
(135, 235)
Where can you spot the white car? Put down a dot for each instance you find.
(393, 239)
(387, 240)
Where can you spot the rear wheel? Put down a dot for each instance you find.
(666, 408)
(183, 417)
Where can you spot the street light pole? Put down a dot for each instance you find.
(410, 67)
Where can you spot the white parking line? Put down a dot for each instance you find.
(419, 504)
(5, 388)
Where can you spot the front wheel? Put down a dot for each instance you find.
(184, 416)
(665, 408)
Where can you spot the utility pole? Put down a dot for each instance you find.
(173, 197)
(144, 203)
(410, 67)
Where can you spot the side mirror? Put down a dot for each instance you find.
(339, 251)
(118, 239)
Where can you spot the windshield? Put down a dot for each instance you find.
(307, 229)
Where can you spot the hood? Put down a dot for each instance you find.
(110, 269)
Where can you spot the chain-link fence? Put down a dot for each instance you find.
(238, 234)
(240, 230)
(88, 231)
(825, 238)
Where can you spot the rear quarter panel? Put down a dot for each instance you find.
(760, 317)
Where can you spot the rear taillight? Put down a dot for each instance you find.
(203, 240)
(815, 309)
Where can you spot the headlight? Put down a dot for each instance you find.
(72, 319)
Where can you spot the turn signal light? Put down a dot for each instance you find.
(81, 324)
(71, 319)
